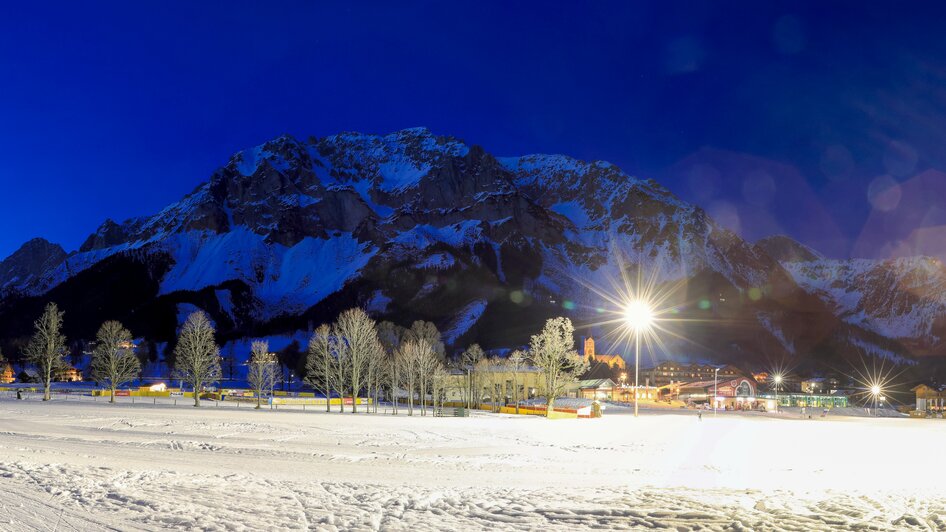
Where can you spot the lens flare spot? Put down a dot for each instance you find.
(568, 305)
(755, 294)
(705, 304)
(884, 193)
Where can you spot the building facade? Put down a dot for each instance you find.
(615, 362)
(667, 373)
(930, 398)
(6, 373)
(68, 374)
(809, 400)
(493, 385)
(733, 393)
(818, 385)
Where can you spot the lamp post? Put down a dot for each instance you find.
(875, 391)
(778, 382)
(639, 317)
(715, 394)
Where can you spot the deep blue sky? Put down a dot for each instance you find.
(774, 116)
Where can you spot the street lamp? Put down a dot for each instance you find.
(875, 391)
(715, 393)
(778, 382)
(639, 317)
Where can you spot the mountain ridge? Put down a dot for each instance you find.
(413, 225)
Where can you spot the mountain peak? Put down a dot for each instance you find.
(32, 258)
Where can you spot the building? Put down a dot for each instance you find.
(930, 398)
(737, 393)
(6, 374)
(600, 389)
(68, 374)
(667, 373)
(608, 390)
(493, 384)
(615, 362)
(809, 400)
(818, 385)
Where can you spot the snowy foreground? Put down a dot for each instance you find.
(91, 466)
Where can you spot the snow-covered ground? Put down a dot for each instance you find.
(79, 465)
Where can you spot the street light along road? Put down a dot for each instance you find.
(639, 316)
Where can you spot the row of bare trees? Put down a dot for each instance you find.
(114, 361)
(353, 357)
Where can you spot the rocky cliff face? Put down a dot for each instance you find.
(902, 299)
(784, 249)
(22, 269)
(412, 225)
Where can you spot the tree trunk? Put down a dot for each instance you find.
(196, 397)
(112, 398)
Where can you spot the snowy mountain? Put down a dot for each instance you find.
(23, 268)
(416, 226)
(902, 299)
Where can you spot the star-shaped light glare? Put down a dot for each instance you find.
(639, 315)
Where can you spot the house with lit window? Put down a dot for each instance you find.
(68, 374)
(6, 373)
(930, 398)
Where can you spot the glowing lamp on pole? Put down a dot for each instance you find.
(639, 317)
(778, 382)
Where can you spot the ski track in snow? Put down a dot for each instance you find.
(91, 466)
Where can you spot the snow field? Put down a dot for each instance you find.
(92, 466)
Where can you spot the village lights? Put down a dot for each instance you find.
(639, 316)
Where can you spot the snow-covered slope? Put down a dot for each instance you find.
(898, 298)
(414, 225)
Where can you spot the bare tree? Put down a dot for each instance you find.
(470, 360)
(427, 364)
(197, 357)
(427, 332)
(113, 360)
(516, 363)
(390, 336)
(411, 356)
(357, 344)
(553, 350)
(322, 371)
(263, 372)
(47, 347)
(441, 382)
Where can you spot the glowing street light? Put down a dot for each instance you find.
(715, 392)
(639, 316)
(778, 382)
(875, 391)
